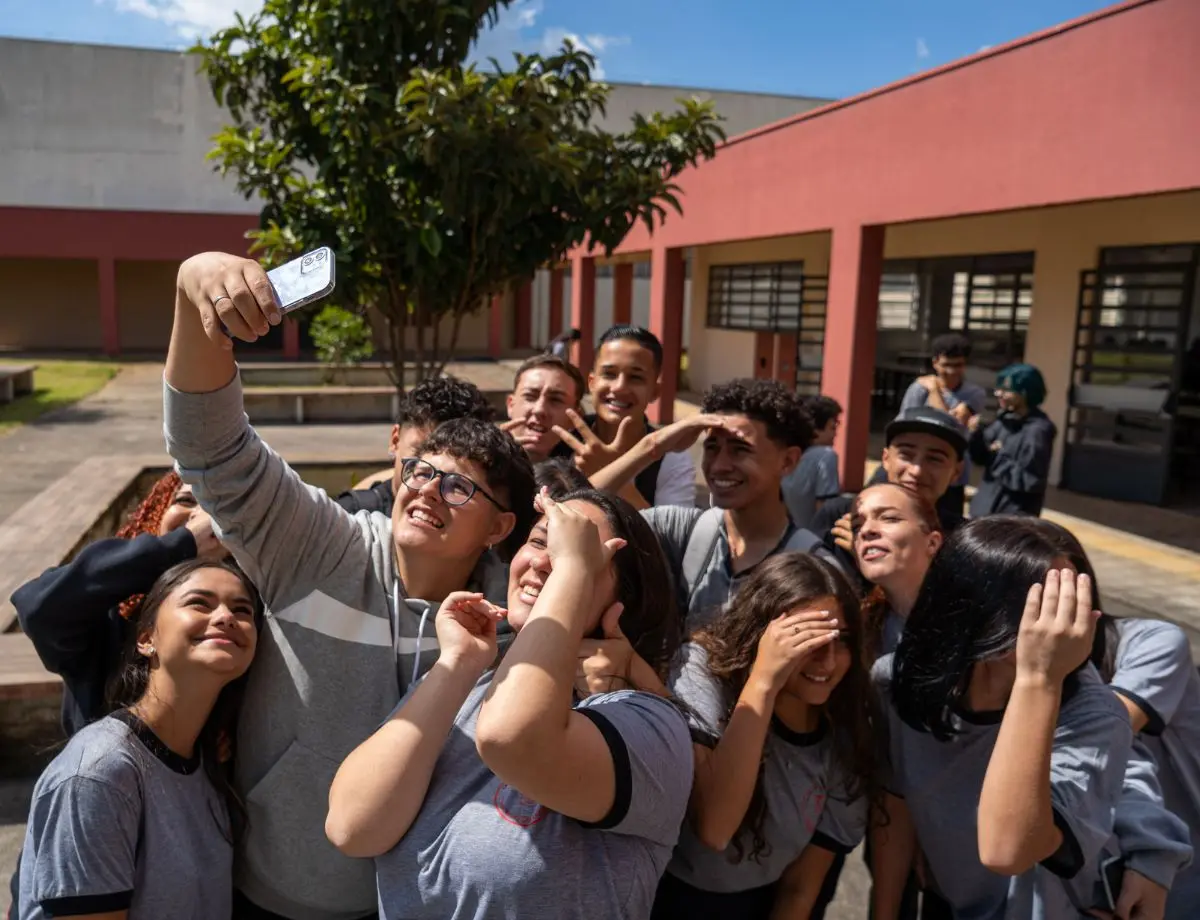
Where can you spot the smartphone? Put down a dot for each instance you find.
(304, 280)
(1112, 874)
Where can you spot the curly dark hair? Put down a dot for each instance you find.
(128, 685)
(506, 466)
(951, 345)
(146, 518)
(782, 583)
(442, 399)
(766, 401)
(821, 409)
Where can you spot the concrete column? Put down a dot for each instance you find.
(496, 326)
(622, 294)
(523, 316)
(556, 302)
(291, 338)
(855, 264)
(666, 322)
(110, 323)
(583, 310)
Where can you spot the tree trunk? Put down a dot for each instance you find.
(455, 328)
(421, 320)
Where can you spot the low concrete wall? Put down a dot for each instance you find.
(367, 374)
(304, 405)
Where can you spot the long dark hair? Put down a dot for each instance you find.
(781, 583)
(969, 610)
(132, 678)
(645, 587)
(1104, 645)
(875, 604)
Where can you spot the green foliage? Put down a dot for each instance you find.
(341, 337)
(358, 125)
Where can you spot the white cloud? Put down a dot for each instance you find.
(515, 28)
(983, 48)
(553, 38)
(922, 49)
(191, 19)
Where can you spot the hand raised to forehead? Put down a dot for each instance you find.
(573, 538)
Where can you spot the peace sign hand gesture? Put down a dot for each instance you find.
(591, 453)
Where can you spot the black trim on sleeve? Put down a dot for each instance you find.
(825, 842)
(1067, 860)
(1154, 722)
(800, 739)
(83, 904)
(622, 772)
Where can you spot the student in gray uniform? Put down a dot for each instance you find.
(754, 434)
(815, 480)
(136, 816)
(896, 536)
(352, 597)
(511, 793)
(784, 713)
(1149, 665)
(1007, 751)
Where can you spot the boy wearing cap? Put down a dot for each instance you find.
(1016, 448)
(925, 452)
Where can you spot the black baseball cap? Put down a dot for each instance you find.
(927, 420)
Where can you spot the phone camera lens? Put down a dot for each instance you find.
(320, 256)
(307, 261)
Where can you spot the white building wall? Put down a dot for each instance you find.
(91, 126)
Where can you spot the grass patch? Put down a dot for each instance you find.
(56, 384)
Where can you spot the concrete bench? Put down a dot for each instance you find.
(15, 380)
(307, 404)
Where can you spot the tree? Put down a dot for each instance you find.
(359, 125)
(341, 338)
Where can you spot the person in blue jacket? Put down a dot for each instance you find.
(1014, 451)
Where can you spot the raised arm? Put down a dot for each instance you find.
(63, 609)
(679, 436)
(527, 732)
(1017, 823)
(287, 535)
(727, 774)
(380, 787)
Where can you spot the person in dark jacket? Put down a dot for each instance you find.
(422, 409)
(78, 615)
(1014, 450)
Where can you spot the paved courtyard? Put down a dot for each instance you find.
(1139, 576)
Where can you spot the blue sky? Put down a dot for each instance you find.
(801, 47)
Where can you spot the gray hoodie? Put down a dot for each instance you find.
(334, 656)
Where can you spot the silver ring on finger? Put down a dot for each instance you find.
(219, 298)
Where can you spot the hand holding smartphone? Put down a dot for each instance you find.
(304, 280)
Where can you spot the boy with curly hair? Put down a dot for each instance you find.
(754, 434)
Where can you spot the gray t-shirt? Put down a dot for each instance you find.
(814, 479)
(802, 786)
(941, 781)
(972, 394)
(1154, 669)
(716, 582)
(480, 850)
(93, 846)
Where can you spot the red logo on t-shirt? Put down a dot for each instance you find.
(516, 808)
(811, 807)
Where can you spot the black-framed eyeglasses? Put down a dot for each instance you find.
(455, 488)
